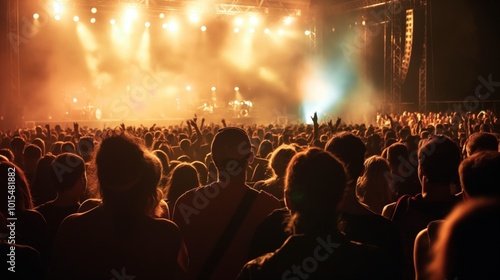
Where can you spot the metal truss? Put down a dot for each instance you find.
(222, 7)
(422, 71)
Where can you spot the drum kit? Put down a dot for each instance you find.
(241, 108)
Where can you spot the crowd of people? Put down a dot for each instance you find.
(412, 196)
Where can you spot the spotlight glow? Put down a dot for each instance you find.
(363, 23)
(92, 20)
(112, 21)
(281, 32)
(162, 15)
(288, 20)
(213, 88)
(173, 26)
(254, 20)
(147, 24)
(203, 28)
(236, 88)
(238, 21)
(307, 32)
(164, 26)
(130, 13)
(57, 17)
(252, 30)
(75, 100)
(57, 7)
(36, 16)
(267, 31)
(236, 30)
(76, 18)
(188, 88)
(193, 17)
(93, 10)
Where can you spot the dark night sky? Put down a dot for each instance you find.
(465, 45)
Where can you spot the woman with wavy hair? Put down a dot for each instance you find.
(122, 236)
(373, 187)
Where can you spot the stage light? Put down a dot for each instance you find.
(188, 88)
(267, 31)
(307, 32)
(57, 17)
(75, 100)
(164, 26)
(281, 32)
(92, 20)
(236, 88)
(76, 18)
(130, 13)
(93, 10)
(162, 15)
(252, 30)
(363, 23)
(333, 29)
(288, 20)
(254, 20)
(236, 30)
(193, 17)
(112, 21)
(238, 21)
(172, 26)
(57, 7)
(203, 28)
(213, 88)
(147, 24)
(36, 16)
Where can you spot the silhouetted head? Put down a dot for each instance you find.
(183, 178)
(231, 149)
(280, 158)
(314, 185)
(128, 175)
(479, 174)
(438, 160)
(13, 178)
(481, 141)
(66, 170)
(350, 150)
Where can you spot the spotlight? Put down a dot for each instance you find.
(203, 28)
(162, 15)
(188, 88)
(238, 21)
(57, 17)
(236, 88)
(252, 30)
(213, 88)
(333, 29)
(164, 26)
(254, 20)
(112, 21)
(288, 20)
(363, 23)
(75, 100)
(236, 30)
(172, 26)
(281, 32)
(267, 31)
(93, 10)
(130, 13)
(76, 18)
(193, 17)
(57, 7)
(36, 16)
(307, 32)
(92, 20)
(147, 24)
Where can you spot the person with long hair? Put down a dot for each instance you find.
(121, 236)
(373, 186)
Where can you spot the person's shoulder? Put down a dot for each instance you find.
(33, 216)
